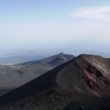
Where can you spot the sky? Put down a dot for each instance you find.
(71, 26)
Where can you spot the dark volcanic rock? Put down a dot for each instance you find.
(82, 83)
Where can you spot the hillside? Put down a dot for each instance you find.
(13, 76)
(82, 83)
(52, 60)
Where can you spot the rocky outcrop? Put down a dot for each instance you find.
(96, 73)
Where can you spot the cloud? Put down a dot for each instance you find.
(101, 12)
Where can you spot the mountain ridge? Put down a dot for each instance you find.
(13, 76)
(61, 56)
(80, 77)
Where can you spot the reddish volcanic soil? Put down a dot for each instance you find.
(96, 73)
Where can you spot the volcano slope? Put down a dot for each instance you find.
(80, 84)
(14, 76)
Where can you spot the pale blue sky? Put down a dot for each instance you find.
(72, 26)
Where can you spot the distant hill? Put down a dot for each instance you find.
(53, 60)
(80, 84)
(13, 76)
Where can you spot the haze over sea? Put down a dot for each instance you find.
(49, 27)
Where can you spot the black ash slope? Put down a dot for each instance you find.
(82, 83)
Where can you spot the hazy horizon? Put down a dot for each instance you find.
(50, 27)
